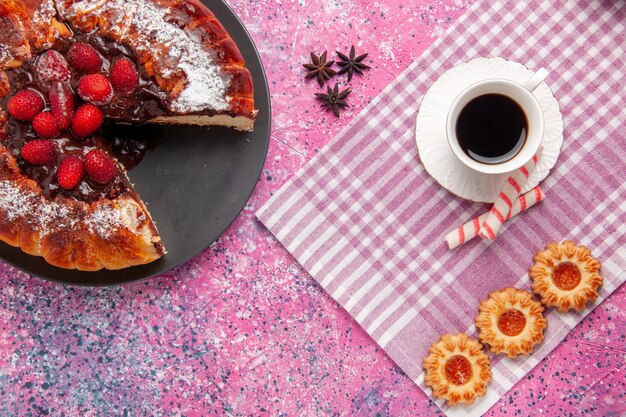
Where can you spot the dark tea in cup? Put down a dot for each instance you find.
(496, 125)
(492, 128)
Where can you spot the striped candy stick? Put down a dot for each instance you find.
(502, 207)
(471, 229)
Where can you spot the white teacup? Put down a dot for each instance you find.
(522, 95)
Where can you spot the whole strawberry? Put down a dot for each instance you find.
(87, 119)
(84, 58)
(124, 76)
(25, 105)
(70, 173)
(95, 89)
(45, 125)
(52, 67)
(100, 168)
(38, 152)
(61, 99)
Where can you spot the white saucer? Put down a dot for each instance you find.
(430, 131)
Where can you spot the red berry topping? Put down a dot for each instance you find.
(52, 67)
(38, 152)
(84, 57)
(45, 125)
(124, 76)
(87, 119)
(95, 88)
(71, 171)
(25, 105)
(61, 99)
(100, 167)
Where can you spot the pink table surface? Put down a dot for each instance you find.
(242, 330)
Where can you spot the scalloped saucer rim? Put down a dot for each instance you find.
(434, 151)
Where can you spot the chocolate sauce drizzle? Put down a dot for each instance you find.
(125, 143)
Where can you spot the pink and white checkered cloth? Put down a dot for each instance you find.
(367, 222)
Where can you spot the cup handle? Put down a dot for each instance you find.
(536, 79)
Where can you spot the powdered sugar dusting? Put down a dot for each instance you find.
(20, 205)
(14, 203)
(104, 221)
(207, 82)
(48, 215)
(44, 13)
(55, 214)
(4, 55)
(42, 19)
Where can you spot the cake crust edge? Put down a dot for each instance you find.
(73, 234)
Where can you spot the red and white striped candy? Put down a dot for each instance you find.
(471, 229)
(502, 207)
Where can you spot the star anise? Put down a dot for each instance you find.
(320, 68)
(334, 99)
(351, 64)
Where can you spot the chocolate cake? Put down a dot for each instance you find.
(69, 71)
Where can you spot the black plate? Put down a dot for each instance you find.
(195, 182)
